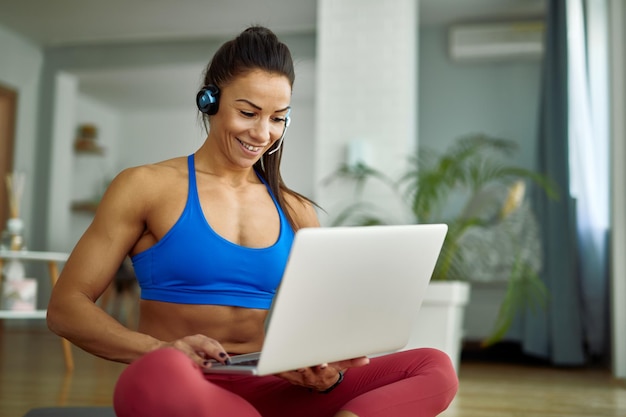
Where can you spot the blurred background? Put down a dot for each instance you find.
(89, 88)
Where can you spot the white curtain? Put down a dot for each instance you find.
(589, 159)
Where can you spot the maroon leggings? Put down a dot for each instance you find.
(416, 383)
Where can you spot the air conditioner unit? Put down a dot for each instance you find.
(496, 41)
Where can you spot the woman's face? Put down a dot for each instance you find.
(251, 116)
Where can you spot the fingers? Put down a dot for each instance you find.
(201, 349)
(318, 378)
(362, 361)
(352, 363)
(322, 376)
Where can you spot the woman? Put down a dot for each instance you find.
(209, 237)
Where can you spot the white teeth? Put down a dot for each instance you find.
(250, 147)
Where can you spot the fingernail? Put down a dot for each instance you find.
(205, 363)
(223, 354)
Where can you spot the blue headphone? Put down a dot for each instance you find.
(207, 99)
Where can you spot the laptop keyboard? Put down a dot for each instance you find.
(250, 362)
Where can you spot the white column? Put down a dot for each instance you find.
(62, 137)
(366, 89)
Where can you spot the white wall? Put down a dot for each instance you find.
(89, 110)
(298, 149)
(495, 98)
(59, 180)
(20, 69)
(151, 135)
(91, 172)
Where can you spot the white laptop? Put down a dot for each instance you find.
(346, 292)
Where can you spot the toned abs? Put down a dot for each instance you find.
(239, 330)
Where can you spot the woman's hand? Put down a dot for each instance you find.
(322, 377)
(201, 349)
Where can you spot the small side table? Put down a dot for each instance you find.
(52, 259)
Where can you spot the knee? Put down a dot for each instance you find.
(436, 357)
(158, 364)
(439, 360)
(149, 381)
(168, 383)
(440, 366)
(436, 365)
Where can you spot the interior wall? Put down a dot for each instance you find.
(20, 70)
(152, 135)
(59, 180)
(298, 159)
(496, 98)
(91, 171)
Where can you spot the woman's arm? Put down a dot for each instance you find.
(120, 221)
(72, 313)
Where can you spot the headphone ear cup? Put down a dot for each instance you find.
(207, 99)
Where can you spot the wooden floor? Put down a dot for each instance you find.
(32, 375)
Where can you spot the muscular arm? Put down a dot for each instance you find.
(72, 312)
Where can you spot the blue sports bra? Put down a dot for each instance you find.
(192, 264)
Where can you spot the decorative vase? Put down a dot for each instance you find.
(15, 227)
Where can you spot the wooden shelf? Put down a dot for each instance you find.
(35, 314)
(88, 147)
(94, 151)
(84, 206)
(29, 255)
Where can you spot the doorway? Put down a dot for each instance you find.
(8, 110)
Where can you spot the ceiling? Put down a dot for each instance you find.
(70, 22)
(53, 23)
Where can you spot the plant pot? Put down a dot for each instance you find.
(439, 323)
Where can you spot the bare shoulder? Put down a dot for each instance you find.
(144, 180)
(155, 172)
(302, 210)
(136, 191)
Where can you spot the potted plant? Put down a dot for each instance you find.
(481, 197)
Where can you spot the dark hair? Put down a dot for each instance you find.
(257, 48)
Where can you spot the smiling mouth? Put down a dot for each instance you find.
(249, 147)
